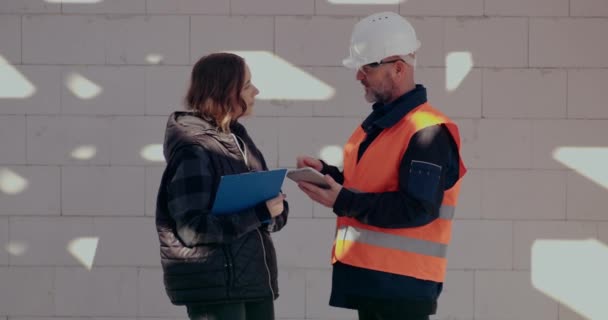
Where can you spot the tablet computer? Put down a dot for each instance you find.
(309, 175)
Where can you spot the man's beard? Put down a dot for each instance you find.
(382, 95)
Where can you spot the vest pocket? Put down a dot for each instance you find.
(423, 180)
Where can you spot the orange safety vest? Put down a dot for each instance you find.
(418, 252)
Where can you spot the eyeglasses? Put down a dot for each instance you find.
(370, 66)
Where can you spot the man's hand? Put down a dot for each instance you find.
(326, 197)
(305, 161)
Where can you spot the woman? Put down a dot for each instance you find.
(218, 266)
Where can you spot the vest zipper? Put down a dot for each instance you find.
(266, 263)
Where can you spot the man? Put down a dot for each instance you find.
(395, 198)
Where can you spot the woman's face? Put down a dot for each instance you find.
(249, 91)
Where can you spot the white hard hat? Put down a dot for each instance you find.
(379, 36)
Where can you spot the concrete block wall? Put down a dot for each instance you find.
(79, 168)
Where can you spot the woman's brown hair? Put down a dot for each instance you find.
(215, 89)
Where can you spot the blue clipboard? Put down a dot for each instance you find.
(241, 191)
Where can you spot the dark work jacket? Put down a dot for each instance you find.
(209, 258)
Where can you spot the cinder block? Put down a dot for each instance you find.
(53, 241)
(104, 90)
(499, 144)
(126, 242)
(29, 6)
(470, 198)
(10, 37)
(63, 39)
(534, 8)
(283, 108)
(22, 286)
(298, 39)
(481, 244)
(457, 301)
(315, 137)
(297, 247)
(39, 90)
(98, 292)
(493, 42)
(4, 242)
(238, 33)
(566, 313)
(349, 94)
(464, 101)
(292, 294)
(514, 194)
(166, 88)
(300, 205)
(545, 92)
(152, 183)
(318, 290)
(528, 232)
(263, 132)
(589, 8)
(272, 7)
(147, 40)
(188, 7)
(603, 232)
(137, 140)
(586, 93)
(567, 43)
(352, 8)
(441, 8)
(551, 135)
(153, 301)
(586, 196)
(12, 139)
(321, 211)
(107, 6)
(29, 190)
(111, 191)
(431, 33)
(507, 295)
(68, 140)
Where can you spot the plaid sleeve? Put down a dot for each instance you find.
(189, 202)
(277, 223)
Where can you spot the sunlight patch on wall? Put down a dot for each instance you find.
(85, 152)
(152, 152)
(573, 272)
(16, 248)
(590, 162)
(11, 182)
(154, 58)
(458, 67)
(84, 250)
(278, 79)
(13, 84)
(82, 87)
(332, 154)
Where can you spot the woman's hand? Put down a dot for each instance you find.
(275, 205)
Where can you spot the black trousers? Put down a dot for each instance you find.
(256, 310)
(379, 314)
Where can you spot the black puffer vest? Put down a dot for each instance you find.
(243, 270)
